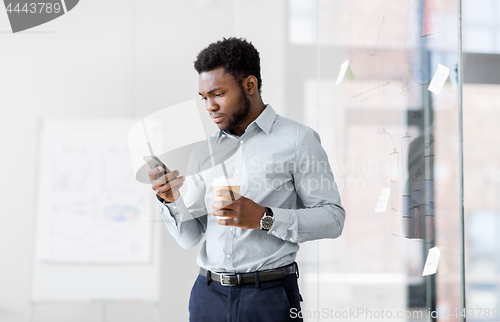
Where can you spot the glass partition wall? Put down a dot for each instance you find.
(394, 148)
(356, 71)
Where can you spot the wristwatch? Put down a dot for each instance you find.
(267, 221)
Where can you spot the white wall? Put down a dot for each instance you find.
(109, 59)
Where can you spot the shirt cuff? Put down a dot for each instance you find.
(284, 227)
(170, 210)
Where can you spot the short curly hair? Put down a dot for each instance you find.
(238, 57)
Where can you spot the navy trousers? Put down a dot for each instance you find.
(275, 301)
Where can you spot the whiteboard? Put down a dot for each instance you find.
(95, 238)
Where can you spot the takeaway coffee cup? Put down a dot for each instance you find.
(224, 183)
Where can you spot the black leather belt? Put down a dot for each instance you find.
(233, 279)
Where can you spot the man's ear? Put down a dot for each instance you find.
(251, 85)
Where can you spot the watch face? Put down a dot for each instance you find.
(266, 222)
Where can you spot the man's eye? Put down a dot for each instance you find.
(203, 98)
(218, 94)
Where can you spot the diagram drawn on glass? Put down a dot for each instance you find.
(405, 89)
(411, 182)
(394, 184)
(367, 61)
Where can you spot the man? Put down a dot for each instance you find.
(247, 268)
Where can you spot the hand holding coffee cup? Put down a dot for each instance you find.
(224, 183)
(221, 186)
(232, 209)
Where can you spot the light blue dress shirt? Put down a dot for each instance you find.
(281, 165)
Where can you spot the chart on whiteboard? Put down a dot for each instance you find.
(90, 207)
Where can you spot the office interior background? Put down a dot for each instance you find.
(70, 217)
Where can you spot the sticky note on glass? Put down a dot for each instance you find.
(383, 200)
(431, 264)
(345, 72)
(440, 77)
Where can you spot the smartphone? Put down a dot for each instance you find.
(153, 161)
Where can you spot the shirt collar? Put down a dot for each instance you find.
(265, 121)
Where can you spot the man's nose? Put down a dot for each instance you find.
(211, 106)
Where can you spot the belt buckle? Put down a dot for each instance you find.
(222, 279)
(238, 279)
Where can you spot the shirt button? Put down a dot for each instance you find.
(228, 255)
(236, 170)
(231, 229)
(241, 142)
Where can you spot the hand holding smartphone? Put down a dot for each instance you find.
(153, 161)
(165, 183)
